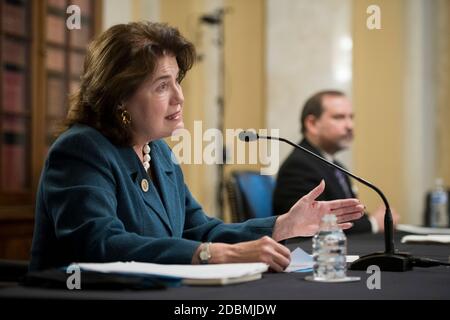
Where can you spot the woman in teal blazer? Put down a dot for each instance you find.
(109, 190)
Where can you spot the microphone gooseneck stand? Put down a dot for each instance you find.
(390, 259)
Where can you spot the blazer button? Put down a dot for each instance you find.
(144, 185)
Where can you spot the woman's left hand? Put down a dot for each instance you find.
(303, 219)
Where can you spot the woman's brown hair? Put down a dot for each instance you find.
(117, 62)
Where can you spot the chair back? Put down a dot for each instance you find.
(250, 195)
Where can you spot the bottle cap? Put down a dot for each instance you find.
(329, 217)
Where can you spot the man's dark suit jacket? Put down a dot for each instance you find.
(300, 173)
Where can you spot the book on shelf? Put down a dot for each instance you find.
(56, 29)
(13, 91)
(79, 38)
(85, 6)
(13, 147)
(14, 18)
(56, 97)
(55, 59)
(14, 52)
(76, 62)
(57, 4)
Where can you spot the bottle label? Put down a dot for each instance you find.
(439, 209)
(439, 197)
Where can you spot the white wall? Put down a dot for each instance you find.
(420, 105)
(308, 49)
(116, 11)
(124, 11)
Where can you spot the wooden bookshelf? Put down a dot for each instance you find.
(41, 63)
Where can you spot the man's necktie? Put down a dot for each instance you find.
(343, 182)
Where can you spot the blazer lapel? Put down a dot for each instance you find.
(137, 174)
(163, 168)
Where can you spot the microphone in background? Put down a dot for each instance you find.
(211, 18)
(390, 259)
(248, 136)
(216, 17)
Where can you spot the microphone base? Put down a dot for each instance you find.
(398, 262)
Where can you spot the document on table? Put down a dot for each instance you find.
(303, 262)
(212, 274)
(428, 238)
(300, 262)
(422, 230)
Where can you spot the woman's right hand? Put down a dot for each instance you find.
(264, 250)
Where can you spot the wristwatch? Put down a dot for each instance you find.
(205, 253)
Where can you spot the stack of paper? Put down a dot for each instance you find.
(303, 262)
(300, 262)
(429, 238)
(422, 230)
(213, 274)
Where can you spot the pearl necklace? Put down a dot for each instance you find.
(147, 158)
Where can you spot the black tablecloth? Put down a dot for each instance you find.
(420, 283)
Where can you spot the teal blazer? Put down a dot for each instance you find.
(91, 206)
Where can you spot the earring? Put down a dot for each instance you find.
(126, 118)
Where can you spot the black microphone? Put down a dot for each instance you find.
(390, 259)
(216, 17)
(211, 19)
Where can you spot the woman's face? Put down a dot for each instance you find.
(156, 108)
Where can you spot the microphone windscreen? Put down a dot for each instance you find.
(247, 136)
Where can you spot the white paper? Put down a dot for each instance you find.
(351, 258)
(422, 230)
(300, 261)
(303, 262)
(210, 271)
(435, 238)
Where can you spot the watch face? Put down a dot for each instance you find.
(204, 255)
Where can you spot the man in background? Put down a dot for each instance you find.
(327, 128)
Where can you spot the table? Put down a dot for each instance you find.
(420, 283)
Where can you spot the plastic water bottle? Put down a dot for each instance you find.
(329, 250)
(439, 205)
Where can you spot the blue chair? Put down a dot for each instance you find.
(250, 195)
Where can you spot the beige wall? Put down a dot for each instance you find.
(401, 96)
(181, 14)
(121, 11)
(245, 105)
(244, 68)
(443, 91)
(244, 81)
(378, 69)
